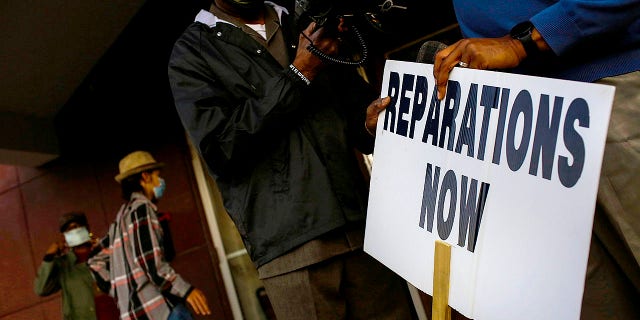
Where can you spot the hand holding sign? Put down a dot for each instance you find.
(535, 143)
(484, 54)
(373, 111)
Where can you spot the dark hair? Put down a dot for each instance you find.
(70, 217)
(130, 185)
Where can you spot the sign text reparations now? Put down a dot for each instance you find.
(505, 169)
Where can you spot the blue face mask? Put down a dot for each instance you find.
(158, 191)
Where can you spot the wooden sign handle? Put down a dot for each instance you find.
(441, 263)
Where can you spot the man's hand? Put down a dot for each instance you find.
(198, 302)
(56, 248)
(307, 62)
(373, 110)
(477, 53)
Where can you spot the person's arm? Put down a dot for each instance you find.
(307, 63)
(99, 259)
(360, 103)
(559, 28)
(372, 113)
(99, 263)
(569, 23)
(231, 123)
(47, 280)
(146, 236)
(480, 53)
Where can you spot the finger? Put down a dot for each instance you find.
(468, 58)
(204, 306)
(307, 31)
(470, 63)
(314, 31)
(378, 105)
(310, 28)
(442, 78)
(452, 60)
(305, 35)
(194, 304)
(373, 111)
(381, 104)
(342, 26)
(439, 58)
(197, 307)
(445, 61)
(199, 303)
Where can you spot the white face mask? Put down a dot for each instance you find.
(77, 236)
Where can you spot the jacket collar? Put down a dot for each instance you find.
(209, 19)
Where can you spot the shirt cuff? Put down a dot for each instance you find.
(557, 27)
(188, 292)
(180, 288)
(49, 257)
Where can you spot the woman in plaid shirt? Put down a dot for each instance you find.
(142, 282)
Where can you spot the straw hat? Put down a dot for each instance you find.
(136, 162)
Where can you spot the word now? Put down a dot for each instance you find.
(471, 205)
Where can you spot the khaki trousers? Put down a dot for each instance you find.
(349, 286)
(612, 288)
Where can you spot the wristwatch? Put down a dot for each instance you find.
(522, 32)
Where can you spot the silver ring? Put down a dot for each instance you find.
(463, 64)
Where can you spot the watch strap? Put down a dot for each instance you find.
(522, 32)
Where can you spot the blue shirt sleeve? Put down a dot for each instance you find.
(568, 23)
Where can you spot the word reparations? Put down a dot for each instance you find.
(517, 132)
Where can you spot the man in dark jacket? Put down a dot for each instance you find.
(277, 128)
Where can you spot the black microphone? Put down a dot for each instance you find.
(428, 51)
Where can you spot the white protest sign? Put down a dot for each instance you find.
(506, 170)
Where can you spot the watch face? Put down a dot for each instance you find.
(521, 30)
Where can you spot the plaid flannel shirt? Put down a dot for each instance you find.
(132, 261)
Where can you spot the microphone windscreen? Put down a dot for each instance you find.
(428, 51)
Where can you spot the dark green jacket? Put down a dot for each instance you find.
(76, 283)
(281, 152)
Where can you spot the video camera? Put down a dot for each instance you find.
(328, 13)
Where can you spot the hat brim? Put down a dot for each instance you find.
(146, 167)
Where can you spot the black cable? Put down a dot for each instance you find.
(329, 58)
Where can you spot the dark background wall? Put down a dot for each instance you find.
(126, 100)
(31, 200)
(125, 104)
